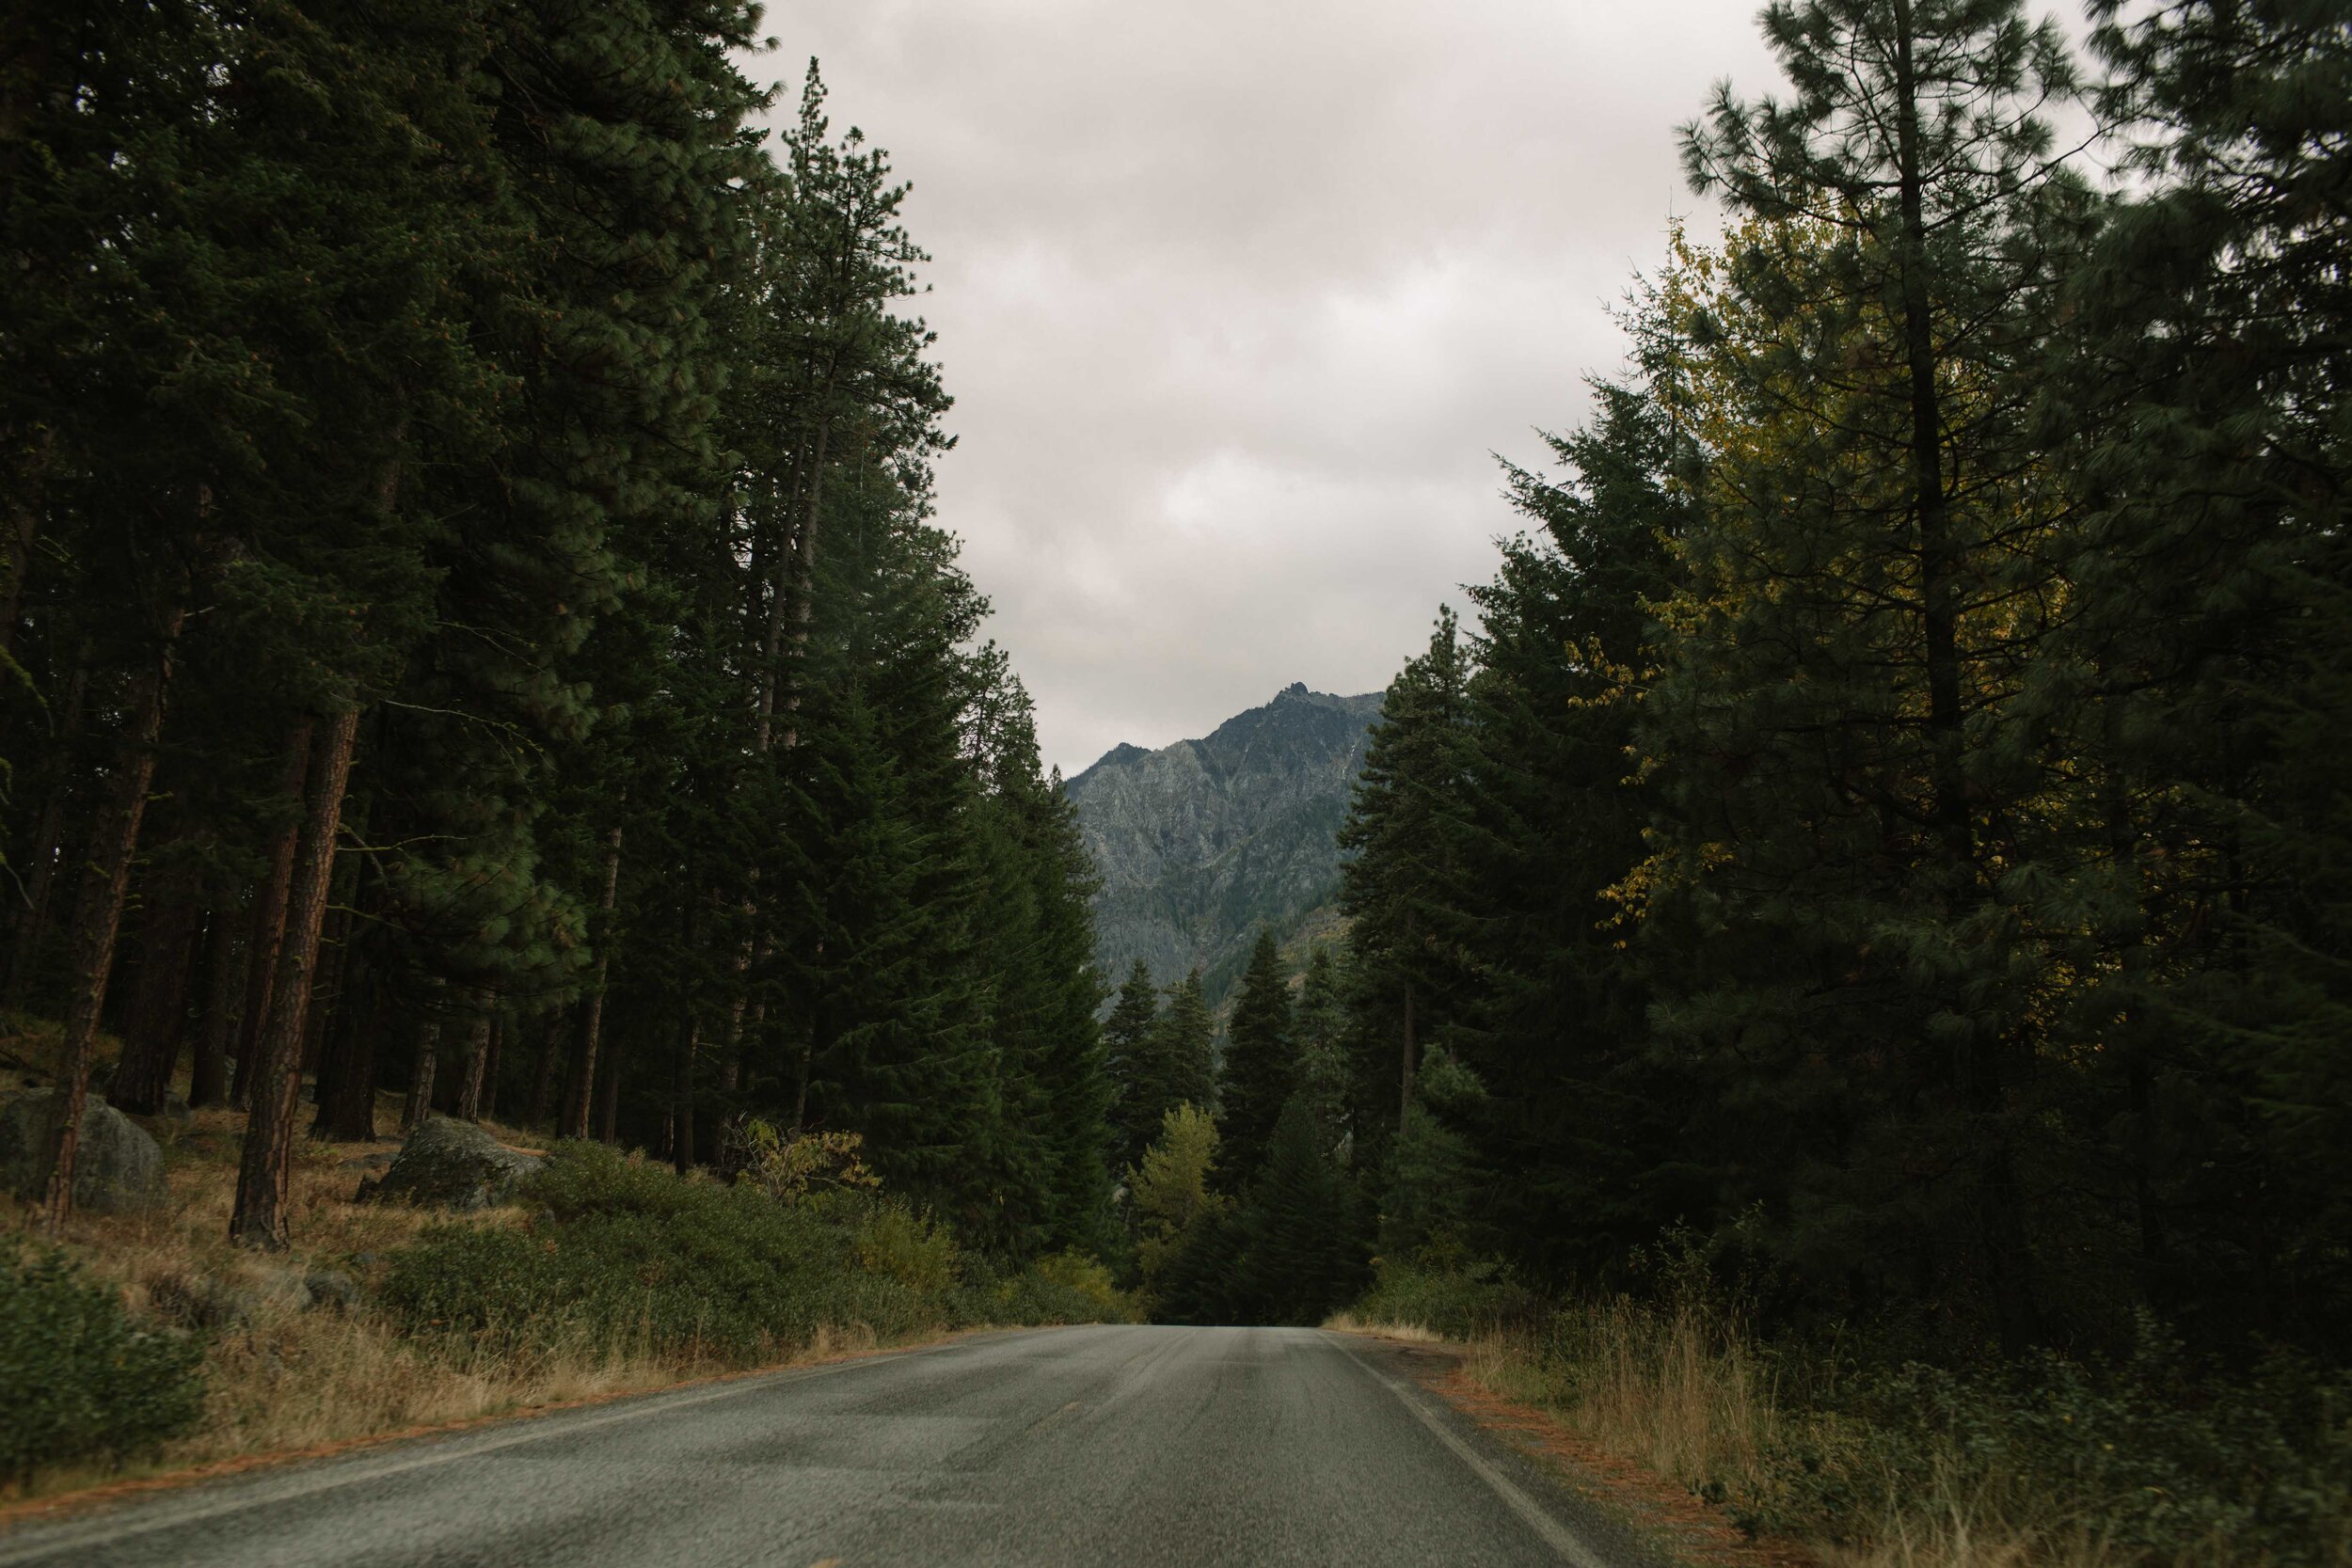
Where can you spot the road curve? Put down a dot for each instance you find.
(1076, 1448)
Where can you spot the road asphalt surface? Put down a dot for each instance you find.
(1072, 1447)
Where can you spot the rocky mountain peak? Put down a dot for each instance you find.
(1201, 841)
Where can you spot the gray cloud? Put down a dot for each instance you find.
(1236, 300)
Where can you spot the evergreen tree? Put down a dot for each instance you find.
(1139, 1099)
(1403, 883)
(2200, 407)
(1300, 1263)
(1869, 586)
(1261, 1068)
(1318, 1028)
(1184, 1046)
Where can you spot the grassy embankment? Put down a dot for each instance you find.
(2159, 1462)
(161, 1348)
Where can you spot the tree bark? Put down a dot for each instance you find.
(22, 525)
(1404, 1082)
(266, 1171)
(347, 1110)
(592, 1026)
(543, 1069)
(2007, 1256)
(609, 1109)
(224, 964)
(419, 1104)
(488, 1104)
(157, 1025)
(477, 1059)
(98, 915)
(326, 993)
(269, 924)
(682, 1097)
(41, 855)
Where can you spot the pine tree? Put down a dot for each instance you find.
(1868, 586)
(1130, 1038)
(1300, 1263)
(2199, 412)
(1319, 1031)
(1261, 1068)
(1402, 886)
(1583, 1113)
(1184, 1046)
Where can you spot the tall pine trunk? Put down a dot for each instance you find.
(1409, 1066)
(682, 1097)
(489, 1106)
(42, 853)
(98, 914)
(263, 1178)
(1999, 1204)
(157, 1025)
(320, 1037)
(20, 523)
(477, 1064)
(609, 1102)
(420, 1102)
(543, 1068)
(591, 1025)
(269, 924)
(224, 983)
(347, 1112)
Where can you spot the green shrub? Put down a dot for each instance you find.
(626, 1255)
(1065, 1288)
(895, 1241)
(2165, 1460)
(78, 1379)
(1460, 1303)
(629, 1254)
(2162, 1461)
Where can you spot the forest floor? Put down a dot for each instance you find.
(289, 1375)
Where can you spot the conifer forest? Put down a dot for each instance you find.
(1861, 894)
(475, 618)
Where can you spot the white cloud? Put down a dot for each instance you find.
(1236, 299)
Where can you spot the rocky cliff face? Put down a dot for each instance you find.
(1201, 841)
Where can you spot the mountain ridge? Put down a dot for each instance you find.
(1202, 841)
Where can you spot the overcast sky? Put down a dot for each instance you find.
(1237, 300)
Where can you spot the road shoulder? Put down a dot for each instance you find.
(1625, 1513)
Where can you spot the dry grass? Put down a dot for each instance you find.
(1684, 1396)
(1347, 1323)
(293, 1377)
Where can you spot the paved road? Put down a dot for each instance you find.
(1078, 1448)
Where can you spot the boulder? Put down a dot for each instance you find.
(118, 1170)
(452, 1164)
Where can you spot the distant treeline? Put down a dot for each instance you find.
(472, 614)
(1887, 820)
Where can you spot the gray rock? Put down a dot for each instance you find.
(1200, 842)
(452, 1164)
(118, 1170)
(376, 1163)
